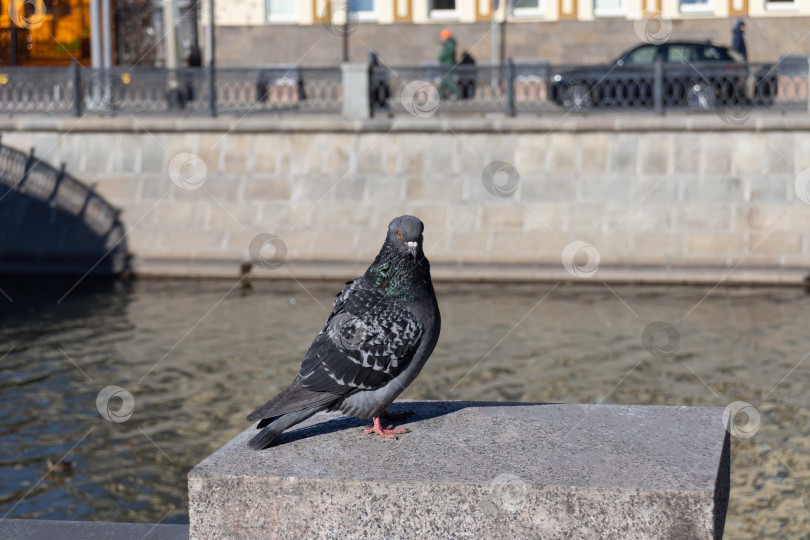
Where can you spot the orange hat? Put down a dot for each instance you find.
(445, 34)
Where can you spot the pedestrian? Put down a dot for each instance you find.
(467, 75)
(738, 39)
(447, 59)
(379, 89)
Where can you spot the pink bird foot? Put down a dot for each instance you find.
(387, 433)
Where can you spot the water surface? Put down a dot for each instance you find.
(197, 356)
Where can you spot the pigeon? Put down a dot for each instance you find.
(383, 328)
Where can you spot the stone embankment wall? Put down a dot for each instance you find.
(676, 198)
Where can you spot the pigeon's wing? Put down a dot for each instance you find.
(368, 340)
(294, 398)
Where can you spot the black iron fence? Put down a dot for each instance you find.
(81, 90)
(543, 88)
(513, 88)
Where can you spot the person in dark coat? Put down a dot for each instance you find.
(466, 75)
(738, 39)
(379, 89)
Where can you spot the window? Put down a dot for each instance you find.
(364, 10)
(608, 8)
(642, 55)
(679, 54)
(282, 10)
(526, 7)
(443, 9)
(693, 6)
(780, 4)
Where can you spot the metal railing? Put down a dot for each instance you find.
(543, 88)
(513, 88)
(80, 90)
(25, 174)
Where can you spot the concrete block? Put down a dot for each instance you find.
(266, 188)
(354, 78)
(98, 150)
(721, 189)
(237, 153)
(775, 243)
(564, 151)
(155, 186)
(210, 149)
(339, 154)
(592, 188)
(715, 153)
(623, 154)
(473, 149)
(412, 153)
(546, 217)
(370, 153)
(295, 153)
(686, 149)
(349, 187)
(704, 217)
(514, 247)
(594, 147)
(716, 243)
(443, 156)
(509, 215)
(154, 158)
(475, 470)
(126, 155)
(385, 188)
(433, 215)
(532, 152)
(770, 188)
(651, 217)
(547, 188)
(780, 153)
(653, 150)
(749, 154)
(265, 151)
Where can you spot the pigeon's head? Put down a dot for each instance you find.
(405, 235)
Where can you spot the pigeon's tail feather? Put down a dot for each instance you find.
(272, 430)
(294, 398)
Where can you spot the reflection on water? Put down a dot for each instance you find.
(198, 356)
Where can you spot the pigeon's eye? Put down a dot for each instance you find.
(399, 235)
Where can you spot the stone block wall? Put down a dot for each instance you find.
(621, 198)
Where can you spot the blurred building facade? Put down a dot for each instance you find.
(57, 32)
(406, 31)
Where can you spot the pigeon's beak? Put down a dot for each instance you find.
(412, 248)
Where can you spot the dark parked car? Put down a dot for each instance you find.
(696, 75)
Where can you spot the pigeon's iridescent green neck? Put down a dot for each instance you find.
(398, 277)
